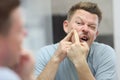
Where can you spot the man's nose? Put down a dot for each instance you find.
(85, 29)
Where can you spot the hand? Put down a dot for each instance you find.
(64, 44)
(78, 50)
(25, 67)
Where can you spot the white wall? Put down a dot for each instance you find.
(38, 23)
(116, 9)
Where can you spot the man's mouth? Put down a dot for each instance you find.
(84, 38)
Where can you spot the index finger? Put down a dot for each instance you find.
(76, 37)
(69, 36)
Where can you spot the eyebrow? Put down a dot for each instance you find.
(78, 17)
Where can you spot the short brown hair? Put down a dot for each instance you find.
(6, 7)
(87, 6)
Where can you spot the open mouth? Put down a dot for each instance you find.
(84, 38)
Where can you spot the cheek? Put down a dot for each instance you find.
(93, 35)
(73, 26)
(16, 44)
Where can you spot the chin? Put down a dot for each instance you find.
(12, 63)
(88, 44)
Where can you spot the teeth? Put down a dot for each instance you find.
(84, 39)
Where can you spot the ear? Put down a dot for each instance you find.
(65, 26)
(97, 33)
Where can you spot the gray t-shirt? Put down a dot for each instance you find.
(7, 74)
(101, 61)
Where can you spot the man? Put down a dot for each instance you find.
(15, 62)
(77, 56)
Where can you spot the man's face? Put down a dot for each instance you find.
(15, 37)
(85, 23)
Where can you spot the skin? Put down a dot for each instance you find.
(82, 24)
(15, 57)
(85, 23)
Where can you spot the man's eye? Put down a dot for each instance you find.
(78, 23)
(93, 27)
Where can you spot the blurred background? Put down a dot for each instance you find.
(44, 22)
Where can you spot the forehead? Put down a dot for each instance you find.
(86, 16)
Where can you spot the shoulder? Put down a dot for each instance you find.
(47, 50)
(45, 53)
(51, 47)
(103, 60)
(101, 48)
(102, 53)
(97, 45)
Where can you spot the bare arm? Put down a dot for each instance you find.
(50, 70)
(83, 70)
